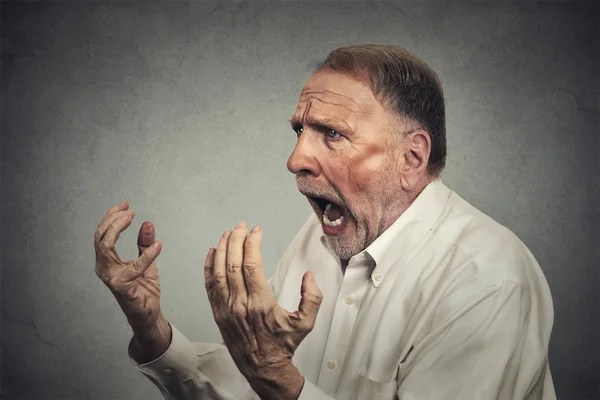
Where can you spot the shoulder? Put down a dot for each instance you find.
(479, 242)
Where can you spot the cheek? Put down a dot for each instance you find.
(367, 169)
(359, 172)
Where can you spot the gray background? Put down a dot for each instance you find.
(182, 109)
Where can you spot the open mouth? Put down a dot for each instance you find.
(332, 214)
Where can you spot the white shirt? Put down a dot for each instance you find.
(445, 304)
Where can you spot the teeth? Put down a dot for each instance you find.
(337, 222)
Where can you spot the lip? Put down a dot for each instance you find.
(328, 230)
(334, 230)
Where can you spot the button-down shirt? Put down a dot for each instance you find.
(445, 304)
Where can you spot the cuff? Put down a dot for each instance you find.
(312, 392)
(177, 363)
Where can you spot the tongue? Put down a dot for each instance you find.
(335, 212)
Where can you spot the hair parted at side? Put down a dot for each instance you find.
(403, 83)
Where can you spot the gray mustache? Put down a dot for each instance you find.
(307, 189)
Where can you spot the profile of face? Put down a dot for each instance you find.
(345, 160)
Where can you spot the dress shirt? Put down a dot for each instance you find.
(445, 304)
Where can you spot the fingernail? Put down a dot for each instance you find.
(241, 225)
(123, 204)
(156, 244)
(256, 229)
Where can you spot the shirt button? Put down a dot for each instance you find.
(167, 372)
(331, 364)
(378, 276)
(350, 300)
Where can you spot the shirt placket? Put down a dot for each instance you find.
(344, 316)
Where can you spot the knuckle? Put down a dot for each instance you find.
(138, 264)
(219, 317)
(251, 265)
(234, 266)
(315, 299)
(220, 277)
(239, 310)
(104, 248)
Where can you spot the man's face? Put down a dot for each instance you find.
(345, 156)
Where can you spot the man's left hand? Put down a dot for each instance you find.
(260, 335)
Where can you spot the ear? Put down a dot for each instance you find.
(415, 157)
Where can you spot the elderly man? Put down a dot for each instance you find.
(395, 287)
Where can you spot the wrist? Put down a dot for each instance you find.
(150, 342)
(159, 331)
(278, 382)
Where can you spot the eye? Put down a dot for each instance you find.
(332, 134)
(298, 128)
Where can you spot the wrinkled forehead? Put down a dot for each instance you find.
(329, 91)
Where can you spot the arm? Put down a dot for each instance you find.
(493, 347)
(189, 370)
(163, 354)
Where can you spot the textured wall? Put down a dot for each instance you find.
(182, 109)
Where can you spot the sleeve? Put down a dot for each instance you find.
(196, 371)
(206, 371)
(311, 391)
(491, 348)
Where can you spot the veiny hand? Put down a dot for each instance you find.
(135, 284)
(260, 335)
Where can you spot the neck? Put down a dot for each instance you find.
(404, 201)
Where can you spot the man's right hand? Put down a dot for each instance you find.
(135, 284)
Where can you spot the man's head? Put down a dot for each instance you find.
(371, 135)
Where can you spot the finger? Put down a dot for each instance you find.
(107, 220)
(209, 268)
(141, 264)
(310, 301)
(220, 271)
(254, 271)
(146, 237)
(121, 221)
(235, 257)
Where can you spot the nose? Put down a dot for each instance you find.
(303, 160)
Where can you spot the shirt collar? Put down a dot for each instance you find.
(409, 228)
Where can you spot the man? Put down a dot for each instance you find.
(396, 287)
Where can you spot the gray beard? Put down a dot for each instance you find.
(345, 249)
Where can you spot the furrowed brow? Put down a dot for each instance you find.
(338, 124)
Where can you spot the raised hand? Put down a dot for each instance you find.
(135, 284)
(260, 335)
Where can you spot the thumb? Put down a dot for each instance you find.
(141, 264)
(311, 298)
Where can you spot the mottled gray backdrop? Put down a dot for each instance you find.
(182, 109)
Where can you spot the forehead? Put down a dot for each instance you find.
(329, 91)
